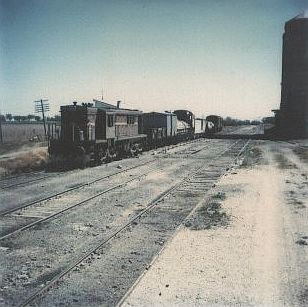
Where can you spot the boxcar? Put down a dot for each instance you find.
(200, 127)
(160, 128)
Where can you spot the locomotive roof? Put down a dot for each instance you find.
(182, 110)
(212, 116)
(94, 109)
(161, 113)
(122, 111)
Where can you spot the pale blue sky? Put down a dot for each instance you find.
(210, 56)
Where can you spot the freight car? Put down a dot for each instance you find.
(96, 133)
(217, 122)
(202, 127)
(167, 127)
(160, 128)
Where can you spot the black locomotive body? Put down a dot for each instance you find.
(97, 133)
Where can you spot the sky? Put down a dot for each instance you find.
(209, 56)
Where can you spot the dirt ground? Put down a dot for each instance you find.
(245, 246)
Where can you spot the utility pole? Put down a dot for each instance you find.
(1, 135)
(42, 106)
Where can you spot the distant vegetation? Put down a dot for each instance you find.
(27, 118)
(229, 121)
(269, 120)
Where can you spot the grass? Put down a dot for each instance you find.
(26, 161)
(283, 162)
(210, 215)
(21, 133)
(219, 195)
(252, 157)
(302, 153)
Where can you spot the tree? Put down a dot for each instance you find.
(17, 118)
(268, 120)
(31, 117)
(9, 116)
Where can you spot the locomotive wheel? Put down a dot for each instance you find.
(100, 156)
(105, 156)
(134, 150)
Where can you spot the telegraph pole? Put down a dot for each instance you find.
(42, 106)
(1, 135)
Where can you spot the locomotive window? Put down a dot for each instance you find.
(110, 120)
(130, 119)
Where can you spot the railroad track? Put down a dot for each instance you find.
(187, 152)
(191, 151)
(10, 182)
(23, 214)
(18, 176)
(294, 143)
(47, 198)
(192, 182)
(170, 148)
(4, 213)
(11, 185)
(49, 211)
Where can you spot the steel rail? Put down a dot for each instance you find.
(18, 176)
(150, 205)
(72, 189)
(70, 207)
(25, 182)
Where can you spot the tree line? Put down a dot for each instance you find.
(229, 121)
(27, 118)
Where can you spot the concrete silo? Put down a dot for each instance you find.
(292, 119)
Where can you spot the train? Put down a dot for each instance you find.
(100, 132)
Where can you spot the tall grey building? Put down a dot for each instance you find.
(292, 119)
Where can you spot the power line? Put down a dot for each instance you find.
(1, 135)
(42, 106)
